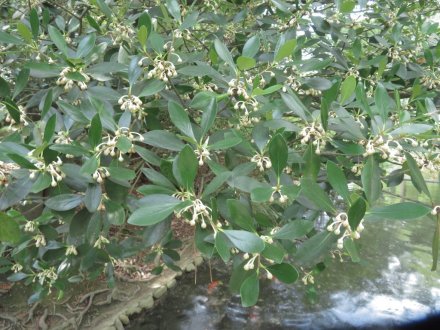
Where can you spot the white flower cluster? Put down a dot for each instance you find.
(308, 278)
(277, 192)
(199, 211)
(6, 74)
(133, 104)
(163, 70)
(48, 275)
(3, 179)
(62, 137)
(16, 268)
(40, 240)
(53, 169)
(341, 220)
(109, 148)
(436, 210)
(202, 152)
(261, 161)
(101, 242)
(251, 262)
(23, 118)
(237, 88)
(208, 87)
(315, 132)
(30, 226)
(68, 83)
(100, 174)
(431, 81)
(71, 250)
(120, 32)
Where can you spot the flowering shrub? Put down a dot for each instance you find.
(271, 127)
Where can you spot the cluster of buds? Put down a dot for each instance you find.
(101, 242)
(436, 210)
(429, 163)
(163, 70)
(109, 148)
(68, 83)
(3, 179)
(23, 117)
(53, 169)
(308, 278)
(202, 152)
(357, 168)
(16, 268)
(120, 32)
(30, 226)
(71, 250)
(40, 240)
(100, 174)
(251, 104)
(315, 132)
(267, 239)
(277, 192)
(199, 212)
(6, 73)
(389, 148)
(208, 87)
(431, 81)
(133, 104)
(340, 222)
(62, 137)
(261, 161)
(352, 72)
(237, 88)
(48, 275)
(251, 261)
(395, 53)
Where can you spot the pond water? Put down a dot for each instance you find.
(393, 284)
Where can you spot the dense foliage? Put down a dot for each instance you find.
(272, 127)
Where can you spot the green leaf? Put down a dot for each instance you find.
(24, 31)
(157, 178)
(314, 193)
(152, 88)
(124, 144)
(42, 182)
(21, 161)
(145, 20)
(174, 9)
(89, 166)
(356, 213)
(9, 229)
(180, 118)
(350, 247)
(142, 36)
(163, 139)
(93, 23)
(226, 143)
(221, 245)
(382, 100)
(114, 213)
(134, 71)
(251, 47)
(250, 290)
(104, 8)
(371, 181)
(5, 91)
(8, 39)
(273, 252)
(348, 87)
(224, 53)
(294, 104)
(22, 80)
(49, 129)
(400, 211)
(185, 168)
(58, 39)
(47, 102)
(92, 198)
(337, 179)
(347, 6)
(35, 23)
(245, 63)
(416, 176)
(285, 50)
(121, 173)
(269, 90)
(436, 245)
(261, 194)
(209, 115)
(245, 241)
(154, 209)
(86, 45)
(278, 153)
(312, 162)
(240, 215)
(313, 248)
(216, 183)
(64, 202)
(95, 131)
(284, 272)
(147, 155)
(294, 230)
